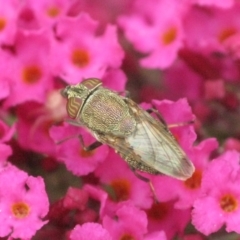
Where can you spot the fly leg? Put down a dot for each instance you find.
(160, 117)
(91, 146)
(181, 124)
(70, 121)
(66, 139)
(147, 180)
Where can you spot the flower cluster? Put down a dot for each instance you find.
(180, 58)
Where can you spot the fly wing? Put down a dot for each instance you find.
(156, 146)
(151, 147)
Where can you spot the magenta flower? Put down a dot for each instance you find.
(34, 122)
(214, 89)
(98, 195)
(75, 199)
(114, 79)
(47, 13)
(161, 37)
(90, 231)
(232, 144)
(6, 132)
(6, 151)
(28, 72)
(123, 184)
(225, 24)
(4, 70)
(218, 3)
(72, 209)
(159, 235)
(232, 46)
(186, 192)
(219, 201)
(79, 53)
(23, 203)
(191, 84)
(8, 19)
(193, 237)
(191, 50)
(70, 152)
(163, 216)
(176, 113)
(128, 223)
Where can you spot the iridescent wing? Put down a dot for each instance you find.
(151, 148)
(157, 147)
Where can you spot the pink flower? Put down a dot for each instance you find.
(190, 85)
(186, 192)
(8, 18)
(79, 53)
(193, 237)
(6, 132)
(90, 231)
(98, 195)
(75, 199)
(48, 12)
(232, 144)
(128, 223)
(161, 37)
(5, 69)
(123, 184)
(72, 209)
(211, 37)
(176, 113)
(28, 70)
(23, 203)
(34, 122)
(214, 89)
(5, 151)
(70, 152)
(163, 216)
(45, 45)
(114, 79)
(219, 201)
(217, 3)
(158, 235)
(232, 45)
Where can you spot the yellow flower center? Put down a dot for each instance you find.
(86, 154)
(127, 237)
(226, 33)
(158, 211)
(169, 36)
(53, 12)
(121, 189)
(31, 74)
(20, 210)
(194, 182)
(228, 203)
(2, 23)
(80, 58)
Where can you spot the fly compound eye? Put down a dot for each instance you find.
(74, 105)
(91, 83)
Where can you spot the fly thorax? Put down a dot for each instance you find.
(106, 112)
(127, 125)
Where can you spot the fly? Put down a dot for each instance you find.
(143, 141)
